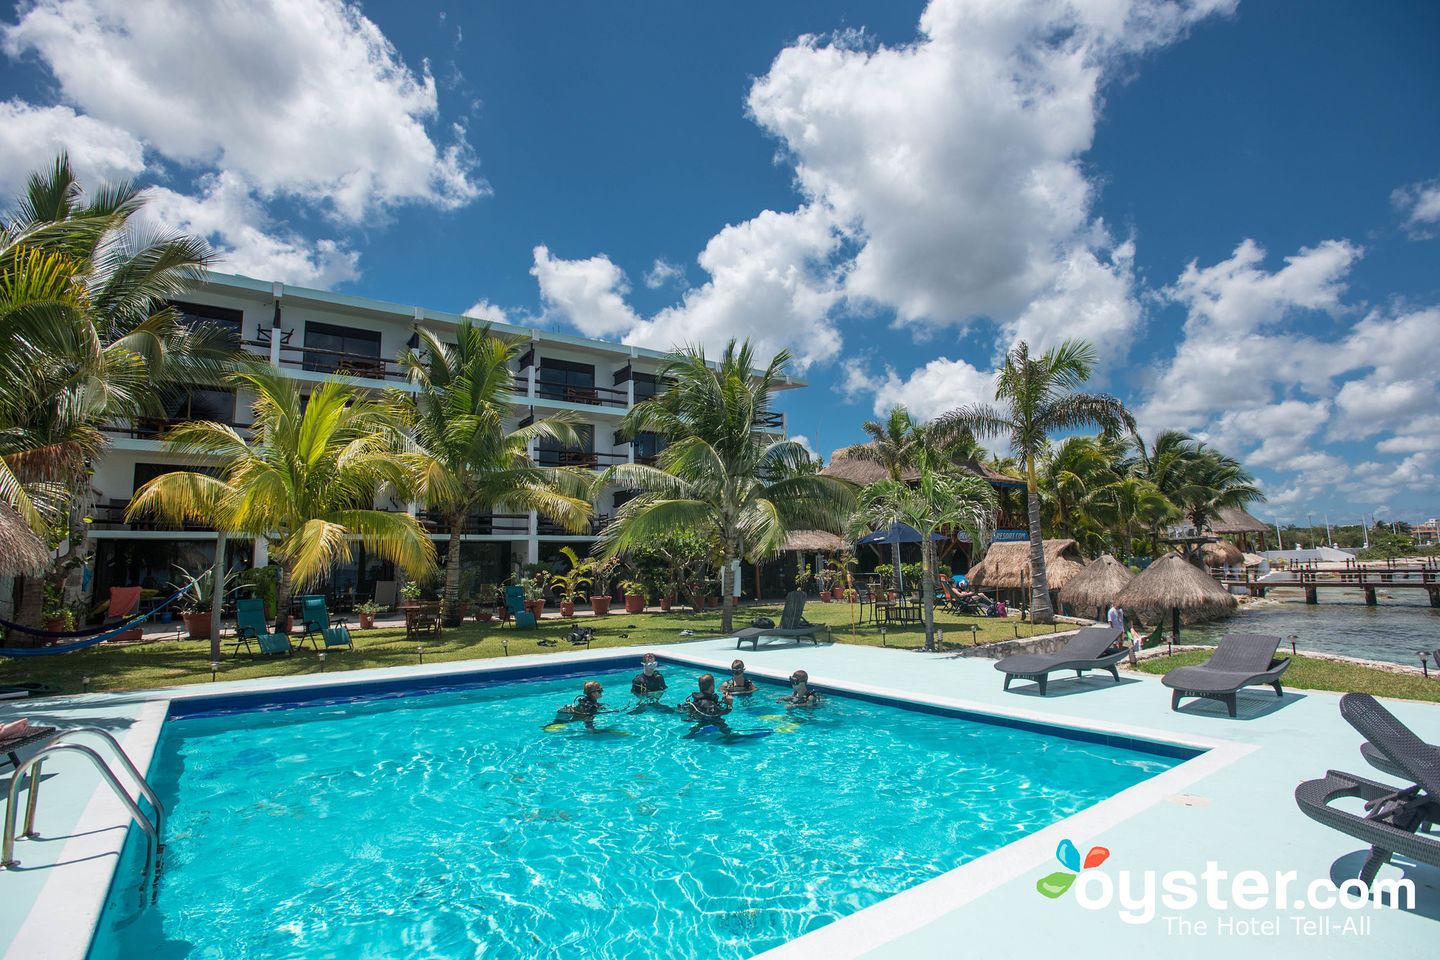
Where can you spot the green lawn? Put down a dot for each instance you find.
(174, 663)
(1308, 673)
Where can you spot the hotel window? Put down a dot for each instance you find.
(200, 404)
(218, 319)
(647, 385)
(648, 446)
(565, 380)
(328, 348)
(551, 453)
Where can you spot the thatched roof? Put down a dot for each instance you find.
(1253, 559)
(1172, 583)
(1007, 565)
(1233, 520)
(1222, 553)
(813, 541)
(21, 552)
(845, 465)
(1097, 585)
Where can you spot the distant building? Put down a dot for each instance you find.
(1427, 532)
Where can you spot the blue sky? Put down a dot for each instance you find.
(1237, 204)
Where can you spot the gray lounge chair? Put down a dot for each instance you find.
(1084, 651)
(792, 624)
(1241, 660)
(1392, 817)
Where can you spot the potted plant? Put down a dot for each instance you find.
(56, 614)
(534, 588)
(600, 576)
(485, 596)
(825, 579)
(199, 590)
(366, 612)
(667, 595)
(410, 591)
(571, 585)
(805, 580)
(634, 596)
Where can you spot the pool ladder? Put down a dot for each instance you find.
(60, 744)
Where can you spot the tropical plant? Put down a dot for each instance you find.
(369, 608)
(895, 444)
(1038, 396)
(571, 585)
(305, 479)
(1214, 482)
(465, 459)
(934, 502)
(724, 472)
(200, 588)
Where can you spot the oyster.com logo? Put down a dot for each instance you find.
(1058, 882)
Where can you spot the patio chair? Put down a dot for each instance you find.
(423, 622)
(123, 601)
(317, 625)
(792, 624)
(251, 627)
(1085, 651)
(1241, 660)
(515, 606)
(386, 594)
(1392, 817)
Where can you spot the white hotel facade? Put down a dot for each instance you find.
(313, 335)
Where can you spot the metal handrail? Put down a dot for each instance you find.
(7, 852)
(141, 783)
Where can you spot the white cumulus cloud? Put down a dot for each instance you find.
(32, 137)
(1420, 203)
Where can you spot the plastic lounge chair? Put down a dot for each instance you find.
(251, 627)
(31, 734)
(792, 624)
(1082, 652)
(1392, 817)
(1241, 660)
(319, 625)
(515, 605)
(123, 601)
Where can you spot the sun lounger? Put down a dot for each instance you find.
(23, 738)
(319, 625)
(1084, 651)
(1392, 817)
(250, 627)
(515, 605)
(1241, 660)
(792, 624)
(123, 601)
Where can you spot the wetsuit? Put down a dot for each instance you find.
(705, 705)
(584, 707)
(746, 685)
(647, 683)
(811, 695)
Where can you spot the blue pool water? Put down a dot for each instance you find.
(453, 824)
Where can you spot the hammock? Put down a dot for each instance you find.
(92, 635)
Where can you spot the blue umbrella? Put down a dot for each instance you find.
(897, 533)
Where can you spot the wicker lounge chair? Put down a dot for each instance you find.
(319, 625)
(1241, 660)
(9, 745)
(250, 627)
(1084, 651)
(792, 624)
(1393, 816)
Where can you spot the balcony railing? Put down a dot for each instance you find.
(110, 515)
(317, 360)
(590, 396)
(478, 523)
(578, 458)
(546, 527)
(150, 428)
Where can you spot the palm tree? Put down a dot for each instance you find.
(1166, 463)
(306, 480)
(934, 502)
(895, 444)
(466, 459)
(1138, 502)
(1039, 398)
(1074, 475)
(1214, 482)
(724, 473)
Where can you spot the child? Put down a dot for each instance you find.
(703, 704)
(648, 684)
(585, 707)
(738, 682)
(801, 693)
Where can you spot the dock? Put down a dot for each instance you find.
(1366, 576)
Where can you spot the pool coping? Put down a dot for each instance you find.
(65, 914)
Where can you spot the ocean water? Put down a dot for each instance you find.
(467, 824)
(1401, 623)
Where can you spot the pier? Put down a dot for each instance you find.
(1366, 576)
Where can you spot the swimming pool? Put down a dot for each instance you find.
(452, 824)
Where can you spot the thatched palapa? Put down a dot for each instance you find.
(1233, 520)
(1097, 586)
(813, 541)
(1007, 565)
(22, 553)
(1172, 583)
(1222, 553)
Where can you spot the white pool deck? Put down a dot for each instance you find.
(1238, 812)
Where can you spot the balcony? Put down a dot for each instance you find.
(546, 527)
(152, 428)
(586, 395)
(110, 515)
(480, 523)
(578, 458)
(317, 360)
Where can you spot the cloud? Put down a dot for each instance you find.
(1420, 203)
(300, 98)
(227, 214)
(32, 137)
(589, 294)
(486, 311)
(804, 441)
(939, 386)
(663, 272)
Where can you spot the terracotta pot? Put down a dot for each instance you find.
(567, 608)
(483, 616)
(634, 603)
(464, 609)
(734, 601)
(824, 596)
(56, 624)
(367, 621)
(601, 605)
(536, 607)
(664, 604)
(838, 593)
(712, 601)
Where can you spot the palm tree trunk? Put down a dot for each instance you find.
(31, 609)
(731, 552)
(895, 566)
(927, 580)
(1040, 610)
(452, 572)
(217, 594)
(282, 600)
